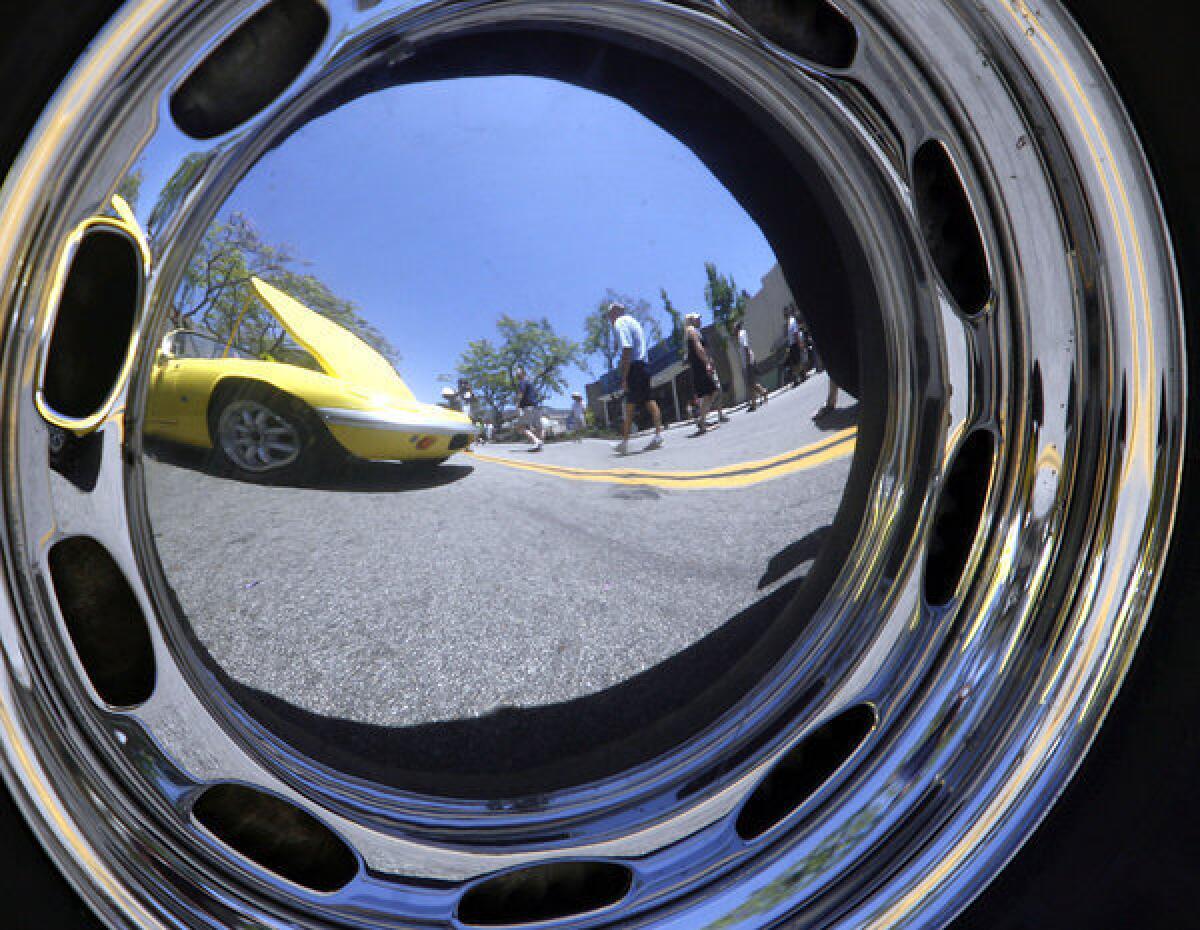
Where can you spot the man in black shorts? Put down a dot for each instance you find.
(635, 375)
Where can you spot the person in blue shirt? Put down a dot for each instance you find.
(635, 375)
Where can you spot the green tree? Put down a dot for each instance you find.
(216, 284)
(601, 339)
(178, 186)
(482, 364)
(678, 326)
(216, 296)
(725, 302)
(130, 188)
(490, 367)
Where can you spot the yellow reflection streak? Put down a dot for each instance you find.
(1124, 224)
(1143, 349)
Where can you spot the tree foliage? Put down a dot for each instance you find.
(600, 339)
(482, 365)
(725, 302)
(217, 298)
(678, 325)
(490, 366)
(178, 186)
(130, 188)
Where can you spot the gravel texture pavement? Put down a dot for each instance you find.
(403, 598)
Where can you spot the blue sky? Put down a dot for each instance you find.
(437, 207)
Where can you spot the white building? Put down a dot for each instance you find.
(766, 326)
(765, 322)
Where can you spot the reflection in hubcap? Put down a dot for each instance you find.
(257, 439)
(471, 618)
(820, 639)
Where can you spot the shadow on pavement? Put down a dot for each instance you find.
(841, 418)
(516, 752)
(343, 475)
(788, 559)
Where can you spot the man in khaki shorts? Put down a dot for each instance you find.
(529, 410)
(635, 375)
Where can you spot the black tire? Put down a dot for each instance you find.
(1122, 847)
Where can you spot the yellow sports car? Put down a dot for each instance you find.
(264, 417)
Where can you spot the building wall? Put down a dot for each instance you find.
(766, 325)
(765, 322)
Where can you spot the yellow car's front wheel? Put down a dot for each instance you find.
(258, 433)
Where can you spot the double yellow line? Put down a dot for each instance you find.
(739, 475)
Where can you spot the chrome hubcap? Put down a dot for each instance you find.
(1018, 494)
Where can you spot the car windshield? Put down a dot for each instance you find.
(195, 345)
(188, 344)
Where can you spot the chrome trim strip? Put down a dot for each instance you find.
(390, 421)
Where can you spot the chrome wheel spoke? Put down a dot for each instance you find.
(255, 438)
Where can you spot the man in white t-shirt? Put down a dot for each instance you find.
(753, 388)
(796, 351)
(635, 374)
(577, 418)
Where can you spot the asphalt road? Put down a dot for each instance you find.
(507, 579)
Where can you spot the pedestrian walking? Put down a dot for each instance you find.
(812, 356)
(831, 394)
(635, 375)
(718, 403)
(529, 410)
(753, 388)
(831, 400)
(795, 359)
(704, 382)
(577, 419)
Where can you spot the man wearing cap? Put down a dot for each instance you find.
(576, 419)
(635, 375)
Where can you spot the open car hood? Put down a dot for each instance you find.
(338, 351)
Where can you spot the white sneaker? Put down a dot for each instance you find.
(655, 443)
(537, 448)
(622, 447)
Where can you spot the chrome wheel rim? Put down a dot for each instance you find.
(984, 702)
(255, 438)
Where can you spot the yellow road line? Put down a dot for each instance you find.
(823, 444)
(738, 475)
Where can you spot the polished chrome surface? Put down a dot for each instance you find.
(124, 224)
(985, 705)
